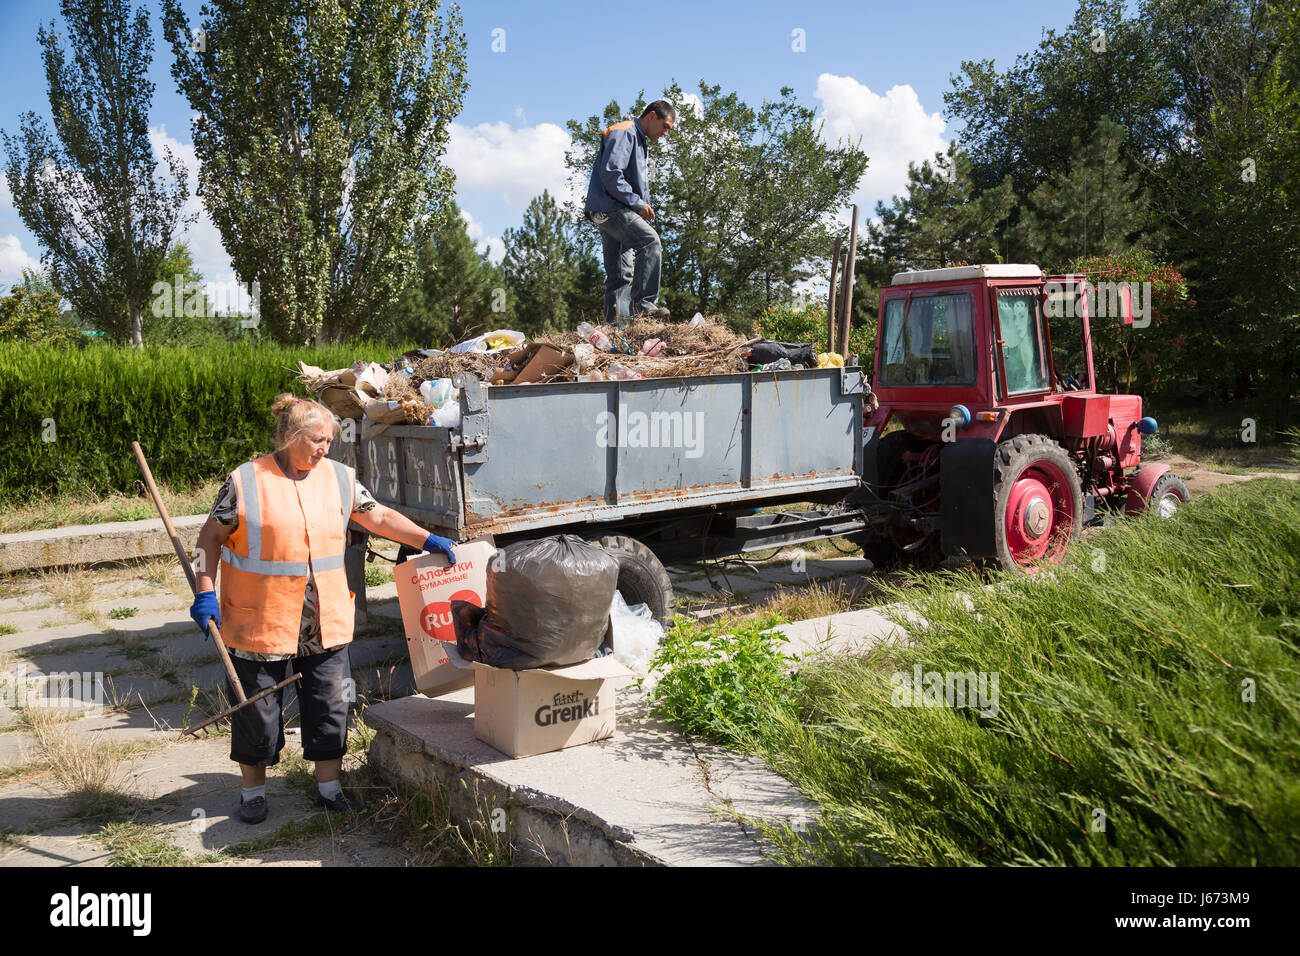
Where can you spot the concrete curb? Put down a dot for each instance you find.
(94, 543)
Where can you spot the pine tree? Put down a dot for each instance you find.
(457, 292)
(542, 265)
(943, 220)
(1097, 207)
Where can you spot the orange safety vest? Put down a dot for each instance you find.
(284, 525)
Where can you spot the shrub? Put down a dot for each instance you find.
(71, 414)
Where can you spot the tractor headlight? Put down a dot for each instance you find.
(1147, 426)
(960, 415)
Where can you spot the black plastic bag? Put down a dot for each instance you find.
(547, 603)
(801, 353)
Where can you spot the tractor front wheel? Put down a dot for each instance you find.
(1038, 502)
(1168, 495)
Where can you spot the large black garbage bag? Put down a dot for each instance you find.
(799, 353)
(547, 603)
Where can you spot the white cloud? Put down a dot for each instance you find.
(515, 164)
(492, 245)
(202, 234)
(892, 130)
(13, 260)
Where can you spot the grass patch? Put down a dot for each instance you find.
(7, 629)
(421, 820)
(58, 511)
(818, 600)
(140, 844)
(1147, 709)
(119, 613)
(1218, 433)
(87, 772)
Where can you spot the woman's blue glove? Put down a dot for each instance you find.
(435, 543)
(204, 608)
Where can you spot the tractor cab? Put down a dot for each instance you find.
(973, 365)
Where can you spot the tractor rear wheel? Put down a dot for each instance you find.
(1038, 502)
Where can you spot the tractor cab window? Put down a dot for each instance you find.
(1069, 359)
(928, 340)
(1023, 359)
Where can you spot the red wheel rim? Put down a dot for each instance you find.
(1039, 516)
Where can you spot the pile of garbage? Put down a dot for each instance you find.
(416, 388)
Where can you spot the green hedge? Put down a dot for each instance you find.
(197, 413)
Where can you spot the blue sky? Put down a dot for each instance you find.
(877, 71)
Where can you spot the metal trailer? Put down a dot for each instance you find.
(657, 471)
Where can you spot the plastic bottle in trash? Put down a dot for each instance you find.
(593, 376)
(620, 372)
(583, 355)
(594, 336)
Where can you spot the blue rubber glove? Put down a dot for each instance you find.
(204, 607)
(435, 543)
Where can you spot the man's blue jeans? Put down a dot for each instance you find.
(633, 262)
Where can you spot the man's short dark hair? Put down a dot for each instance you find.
(661, 108)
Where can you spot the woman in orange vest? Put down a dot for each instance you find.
(277, 532)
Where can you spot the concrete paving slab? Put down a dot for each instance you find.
(16, 748)
(94, 543)
(53, 849)
(852, 632)
(646, 796)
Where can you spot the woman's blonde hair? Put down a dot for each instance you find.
(294, 415)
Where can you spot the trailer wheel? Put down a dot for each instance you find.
(1038, 502)
(1168, 495)
(642, 578)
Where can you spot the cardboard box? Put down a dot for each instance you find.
(535, 361)
(426, 586)
(529, 712)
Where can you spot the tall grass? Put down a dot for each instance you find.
(71, 414)
(1148, 708)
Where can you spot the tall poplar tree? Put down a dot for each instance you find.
(92, 197)
(319, 127)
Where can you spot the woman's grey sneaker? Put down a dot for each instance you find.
(252, 811)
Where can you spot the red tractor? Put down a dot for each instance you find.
(990, 439)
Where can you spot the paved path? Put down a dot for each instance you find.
(176, 795)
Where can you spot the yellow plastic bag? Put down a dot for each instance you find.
(830, 360)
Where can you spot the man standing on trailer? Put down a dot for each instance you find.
(618, 203)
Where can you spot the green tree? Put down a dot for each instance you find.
(93, 199)
(1095, 207)
(319, 128)
(31, 313)
(1237, 225)
(542, 264)
(180, 310)
(744, 198)
(1024, 121)
(457, 291)
(942, 221)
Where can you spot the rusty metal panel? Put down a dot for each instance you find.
(804, 426)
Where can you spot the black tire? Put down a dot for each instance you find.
(1171, 488)
(881, 552)
(642, 578)
(1012, 458)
